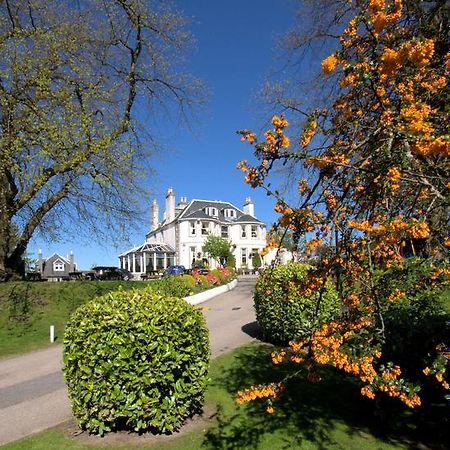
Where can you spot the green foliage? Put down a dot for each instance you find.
(417, 321)
(199, 263)
(217, 247)
(203, 281)
(136, 360)
(219, 274)
(308, 416)
(256, 260)
(27, 309)
(283, 312)
(188, 280)
(173, 286)
(231, 261)
(71, 139)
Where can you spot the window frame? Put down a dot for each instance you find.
(192, 228)
(59, 266)
(205, 230)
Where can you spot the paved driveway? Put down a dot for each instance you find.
(33, 395)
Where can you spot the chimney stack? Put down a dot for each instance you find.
(71, 262)
(249, 207)
(155, 215)
(170, 205)
(40, 262)
(182, 203)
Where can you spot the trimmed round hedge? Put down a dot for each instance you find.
(135, 360)
(283, 312)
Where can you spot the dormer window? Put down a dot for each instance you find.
(230, 213)
(211, 211)
(58, 266)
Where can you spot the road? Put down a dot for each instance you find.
(33, 395)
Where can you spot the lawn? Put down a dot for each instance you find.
(28, 309)
(327, 415)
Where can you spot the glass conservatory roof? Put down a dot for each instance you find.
(151, 247)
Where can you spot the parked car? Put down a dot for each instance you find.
(174, 270)
(126, 274)
(111, 273)
(196, 271)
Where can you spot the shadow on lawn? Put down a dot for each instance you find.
(328, 414)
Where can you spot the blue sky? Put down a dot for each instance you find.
(234, 53)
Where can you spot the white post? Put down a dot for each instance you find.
(52, 333)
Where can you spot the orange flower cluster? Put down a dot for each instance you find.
(415, 116)
(367, 391)
(380, 18)
(349, 80)
(278, 357)
(439, 146)
(393, 176)
(441, 274)
(349, 34)
(328, 161)
(396, 294)
(308, 133)
(329, 64)
(390, 62)
(418, 53)
(313, 243)
(326, 345)
(272, 242)
(271, 139)
(303, 186)
(279, 122)
(272, 390)
(249, 137)
(330, 199)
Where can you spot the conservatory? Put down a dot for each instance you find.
(148, 258)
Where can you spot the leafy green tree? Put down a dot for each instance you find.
(72, 78)
(218, 248)
(256, 260)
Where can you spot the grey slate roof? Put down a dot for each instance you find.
(48, 271)
(195, 210)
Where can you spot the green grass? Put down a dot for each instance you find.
(28, 309)
(327, 415)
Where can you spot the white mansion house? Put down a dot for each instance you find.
(180, 237)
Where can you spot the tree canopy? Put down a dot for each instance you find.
(375, 188)
(218, 248)
(73, 76)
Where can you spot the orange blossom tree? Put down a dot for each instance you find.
(377, 188)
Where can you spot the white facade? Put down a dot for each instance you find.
(186, 226)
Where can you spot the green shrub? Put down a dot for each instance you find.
(203, 281)
(417, 321)
(256, 261)
(188, 280)
(135, 360)
(282, 311)
(172, 286)
(218, 274)
(231, 260)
